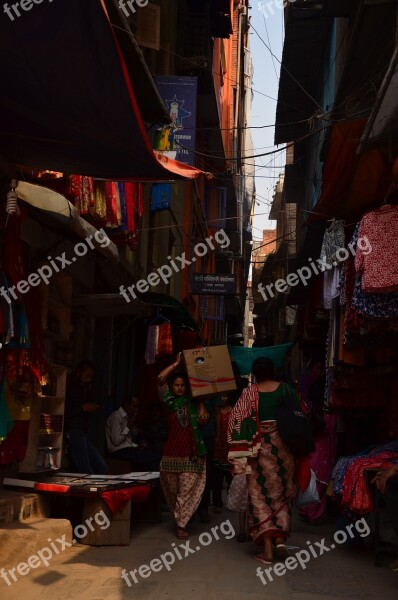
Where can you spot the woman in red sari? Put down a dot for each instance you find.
(256, 448)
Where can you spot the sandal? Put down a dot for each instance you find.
(263, 559)
(282, 552)
(181, 533)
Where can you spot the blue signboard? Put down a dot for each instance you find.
(178, 139)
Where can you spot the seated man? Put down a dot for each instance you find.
(387, 483)
(122, 438)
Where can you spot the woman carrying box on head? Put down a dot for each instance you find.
(183, 465)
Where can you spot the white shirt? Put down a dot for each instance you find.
(117, 433)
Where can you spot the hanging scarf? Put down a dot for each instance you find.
(244, 437)
(6, 422)
(182, 405)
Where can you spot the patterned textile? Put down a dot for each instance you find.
(244, 436)
(333, 240)
(183, 492)
(111, 204)
(81, 190)
(165, 341)
(182, 439)
(341, 467)
(355, 493)
(238, 498)
(99, 199)
(129, 189)
(359, 388)
(271, 486)
(379, 268)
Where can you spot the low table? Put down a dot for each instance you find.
(102, 494)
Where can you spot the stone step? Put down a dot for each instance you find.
(19, 541)
(20, 506)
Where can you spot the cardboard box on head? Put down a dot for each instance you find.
(209, 371)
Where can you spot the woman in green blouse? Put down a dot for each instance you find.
(183, 466)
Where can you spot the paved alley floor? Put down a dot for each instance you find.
(214, 569)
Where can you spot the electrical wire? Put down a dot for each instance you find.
(286, 69)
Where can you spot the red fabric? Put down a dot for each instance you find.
(129, 189)
(118, 499)
(15, 445)
(52, 487)
(111, 209)
(180, 441)
(165, 341)
(379, 266)
(302, 474)
(355, 493)
(140, 202)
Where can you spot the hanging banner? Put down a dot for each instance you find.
(177, 139)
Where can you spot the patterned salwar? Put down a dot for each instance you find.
(183, 466)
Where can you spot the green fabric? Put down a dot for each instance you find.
(244, 357)
(244, 438)
(268, 401)
(6, 421)
(182, 465)
(173, 403)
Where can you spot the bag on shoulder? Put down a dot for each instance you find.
(294, 427)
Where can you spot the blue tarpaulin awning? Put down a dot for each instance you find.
(244, 357)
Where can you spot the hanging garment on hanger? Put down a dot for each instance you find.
(331, 286)
(377, 259)
(165, 342)
(333, 240)
(152, 344)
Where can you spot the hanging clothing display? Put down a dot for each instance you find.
(111, 204)
(99, 210)
(379, 264)
(151, 344)
(331, 286)
(333, 241)
(165, 340)
(80, 189)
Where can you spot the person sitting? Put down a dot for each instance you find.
(123, 439)
(387, 483)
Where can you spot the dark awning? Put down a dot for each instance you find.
(67, 101)
(302, 58)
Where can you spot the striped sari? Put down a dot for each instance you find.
(271, 486)
(256, 448)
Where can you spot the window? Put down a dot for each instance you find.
(148, 27)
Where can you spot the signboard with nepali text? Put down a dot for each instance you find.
(209, 283)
